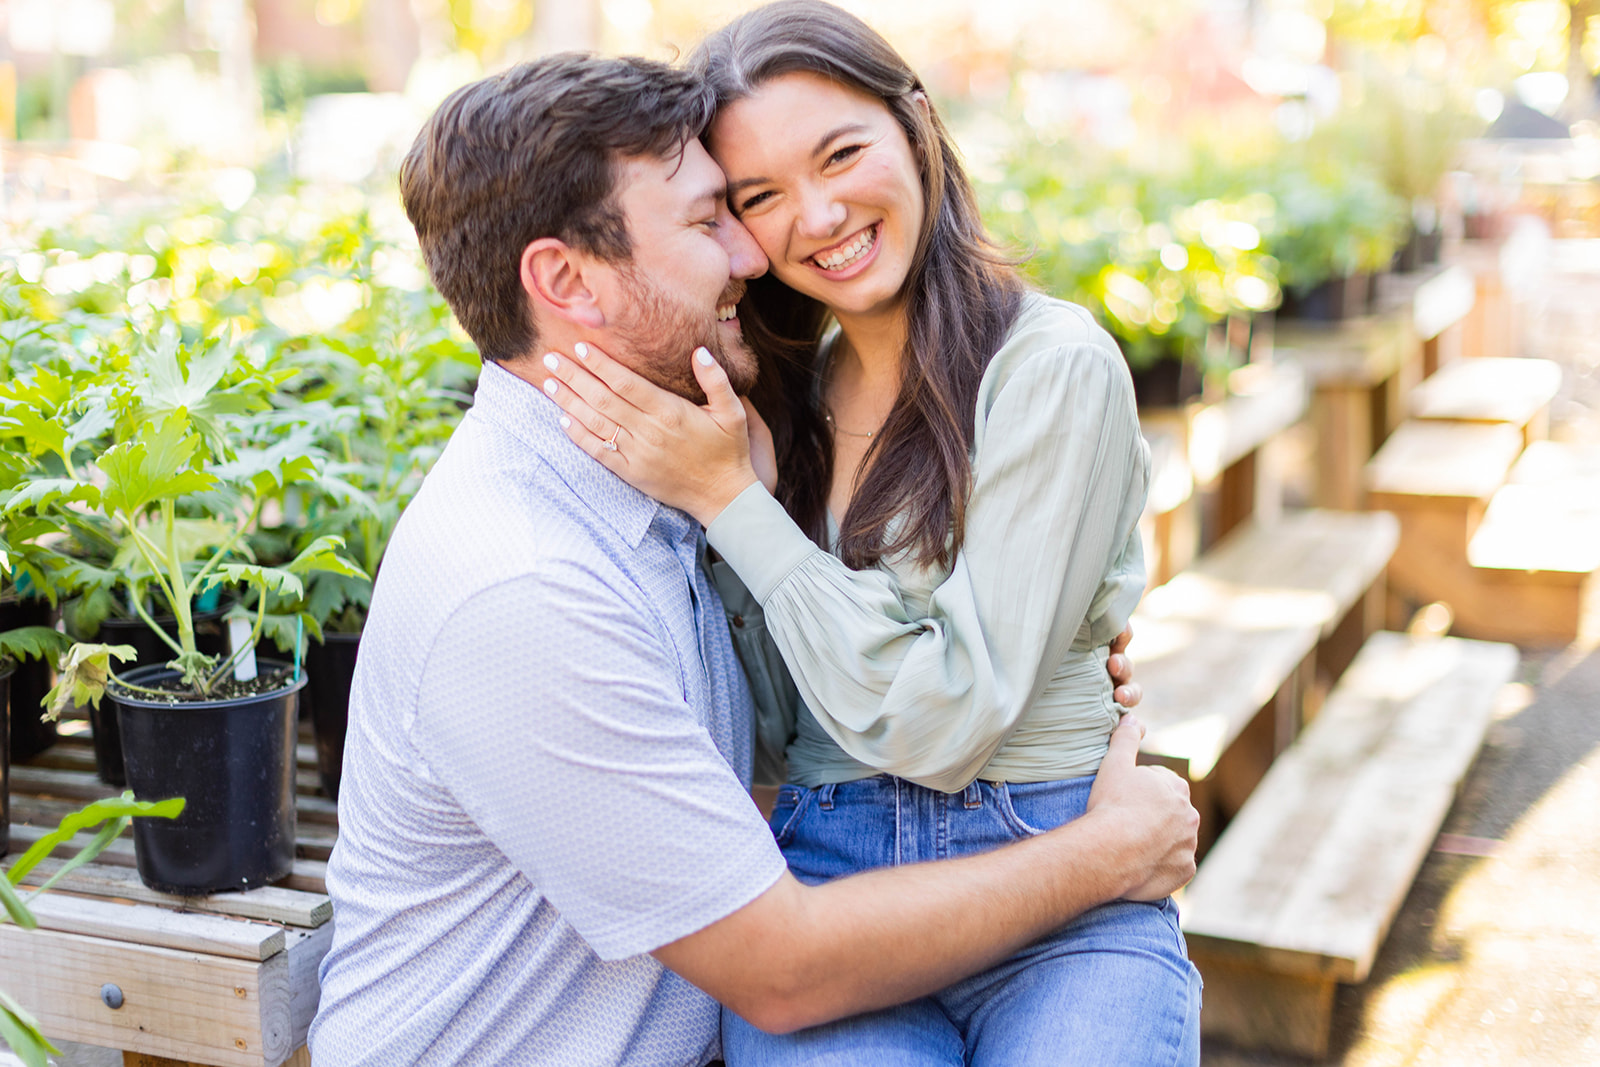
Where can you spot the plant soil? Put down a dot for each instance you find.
(227, 689)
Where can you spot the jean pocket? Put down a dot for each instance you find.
(1008, 812)
(786, 812)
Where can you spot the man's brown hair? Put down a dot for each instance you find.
(535, 152)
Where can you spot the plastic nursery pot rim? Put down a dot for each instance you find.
(155, 672)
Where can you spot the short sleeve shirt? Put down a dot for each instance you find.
(545, 770)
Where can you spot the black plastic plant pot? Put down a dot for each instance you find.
(1332, 300)
(210, 637)
(329, 668)
(6, 670)
(234, 761)
(30, 734)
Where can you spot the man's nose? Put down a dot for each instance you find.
(745, 258)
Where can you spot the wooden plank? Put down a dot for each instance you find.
(1263, 400)
(1442, 301)
(1253, 1008)
(1336, 553)
(1362, 352)
(1514, 391)
(271, 903)
(1539, 528)
(82, 785)
(305, 951)
(1444, 459)
(148, 925)
(309, 875)
(188, 1006)
(1309, 875)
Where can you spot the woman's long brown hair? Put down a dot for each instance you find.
(961, 297)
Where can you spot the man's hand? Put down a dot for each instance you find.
(1151, 809)
(1120, 667)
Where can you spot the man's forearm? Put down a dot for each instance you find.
(890, 935)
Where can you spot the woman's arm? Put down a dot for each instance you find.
(1059, 482)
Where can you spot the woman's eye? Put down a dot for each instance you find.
(754, 201)
(843, 154)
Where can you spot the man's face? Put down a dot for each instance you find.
(691, 258)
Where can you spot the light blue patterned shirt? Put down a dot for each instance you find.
(545, 772)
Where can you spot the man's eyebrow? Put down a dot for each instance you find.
(822, 143)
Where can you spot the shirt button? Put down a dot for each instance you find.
(738, 621)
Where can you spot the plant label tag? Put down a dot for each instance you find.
(244, 669)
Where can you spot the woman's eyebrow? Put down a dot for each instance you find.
(822, 143)
(838, 131)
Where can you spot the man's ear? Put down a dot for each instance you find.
(554, 275)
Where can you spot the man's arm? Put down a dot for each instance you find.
(799, 956)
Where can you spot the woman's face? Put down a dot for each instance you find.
(825, 179)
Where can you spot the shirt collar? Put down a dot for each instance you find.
(520, 409)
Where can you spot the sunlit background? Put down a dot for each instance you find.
(1174, 164)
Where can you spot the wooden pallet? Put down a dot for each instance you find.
(1300, 890)
(228, 979)
(1516, 392)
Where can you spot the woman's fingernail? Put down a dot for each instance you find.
(580, 350)
(565, 422)
(552, 361)
(550, 386)
(704, 356)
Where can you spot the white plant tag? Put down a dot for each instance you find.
(244, 668)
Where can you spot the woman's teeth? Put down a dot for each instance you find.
(844, 256)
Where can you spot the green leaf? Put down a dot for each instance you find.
(83, 676)
(33, 642)
(323, 555)
(112, 808)
(273, 579)
(21, 1031)
(156, 465)
(282, 629)
(15, 909)
(43, 492)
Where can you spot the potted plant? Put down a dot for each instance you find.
(1335, 225)
(197, 457)
(384, 393)
(19, 1029)
(18, 644)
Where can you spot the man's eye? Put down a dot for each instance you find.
(709, 224)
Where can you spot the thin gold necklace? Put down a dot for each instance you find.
(828, 415)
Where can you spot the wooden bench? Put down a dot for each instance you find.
(1300, 890)
(1535, 557)
(1209, 470)
(1516, 392)
(1228, 649)
(1360, 372)
(1440, 299)
(228, 980)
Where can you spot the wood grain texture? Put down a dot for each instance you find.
(1310, 873)
(162, 927)
(182, 1005)
(270, 903)
(1444, 459)
(1512, 391)
(1218, 642)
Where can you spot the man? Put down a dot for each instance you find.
(546, 843)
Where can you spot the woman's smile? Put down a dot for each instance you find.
(836, 203)
(841, 260)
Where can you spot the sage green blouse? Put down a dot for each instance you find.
(995, 667)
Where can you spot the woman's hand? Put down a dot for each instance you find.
(693, 458)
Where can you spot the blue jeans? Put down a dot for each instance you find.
(1112, 987)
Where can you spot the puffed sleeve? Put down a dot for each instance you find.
(1059, 480)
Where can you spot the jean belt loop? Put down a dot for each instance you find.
(825, 797)
(973, 795)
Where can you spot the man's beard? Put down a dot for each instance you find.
(662, 332)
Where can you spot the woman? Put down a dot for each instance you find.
(969, 454)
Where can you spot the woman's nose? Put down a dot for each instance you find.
(821, 215)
